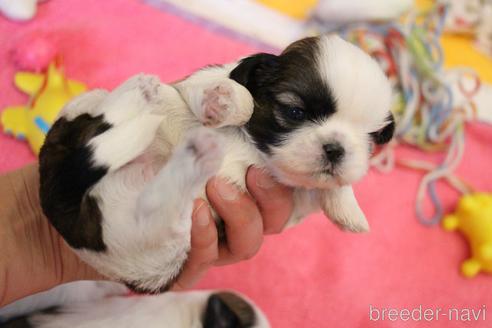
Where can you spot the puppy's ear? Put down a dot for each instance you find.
(254, 69)
(228, 310)
(342, 208)
(384, 135)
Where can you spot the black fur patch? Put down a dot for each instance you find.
(19, 322)
(66, 175)
(227, 310)
(23, 321)
(294, 71)
(384, 135)
(133, 286)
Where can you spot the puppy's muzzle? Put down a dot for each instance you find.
(333, 153)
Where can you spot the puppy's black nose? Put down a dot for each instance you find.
(334, 152)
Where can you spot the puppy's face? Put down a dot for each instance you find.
(320, 107)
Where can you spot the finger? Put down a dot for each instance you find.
(274, 200)
(242, 221)
(204, 247)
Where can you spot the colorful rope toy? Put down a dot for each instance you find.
(426, 110)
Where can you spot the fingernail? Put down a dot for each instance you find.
(227, 191)
(202, 216)
(264, 180)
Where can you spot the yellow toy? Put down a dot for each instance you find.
(474, 219)
(49, 92)
(299, 9)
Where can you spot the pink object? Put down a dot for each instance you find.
(34, 52)
(311, 276)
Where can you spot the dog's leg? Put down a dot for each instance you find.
(182, 179)
(129, 117)
(138, 93)
(123, 103)
(86, 103)
(215, 99)
(123, 143)
(164, 207)
(306, 202)
(132, 109)
(341, 206)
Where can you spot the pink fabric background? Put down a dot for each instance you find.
(312, 275)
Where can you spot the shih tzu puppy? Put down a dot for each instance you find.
(120, 170)
(102, 304)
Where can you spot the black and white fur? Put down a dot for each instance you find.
(120, 170)
(89, 304)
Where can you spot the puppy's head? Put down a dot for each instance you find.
(320, 106)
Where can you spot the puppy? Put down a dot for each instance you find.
(197, 309)
(119, 171)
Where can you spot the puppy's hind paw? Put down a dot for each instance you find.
(226, 103)
(151, 88)
(206, 148)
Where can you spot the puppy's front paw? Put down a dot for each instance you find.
(206, 148)
(226, 103)
(217, 104)
(342, 208)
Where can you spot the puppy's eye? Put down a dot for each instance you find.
(295, 113)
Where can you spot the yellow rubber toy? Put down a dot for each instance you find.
(473, 218)
(48, 93)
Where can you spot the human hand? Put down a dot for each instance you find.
(246, 218)
(34, 257)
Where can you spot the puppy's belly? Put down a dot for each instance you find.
(240, 154)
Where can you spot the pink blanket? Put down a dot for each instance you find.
(312, 275)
